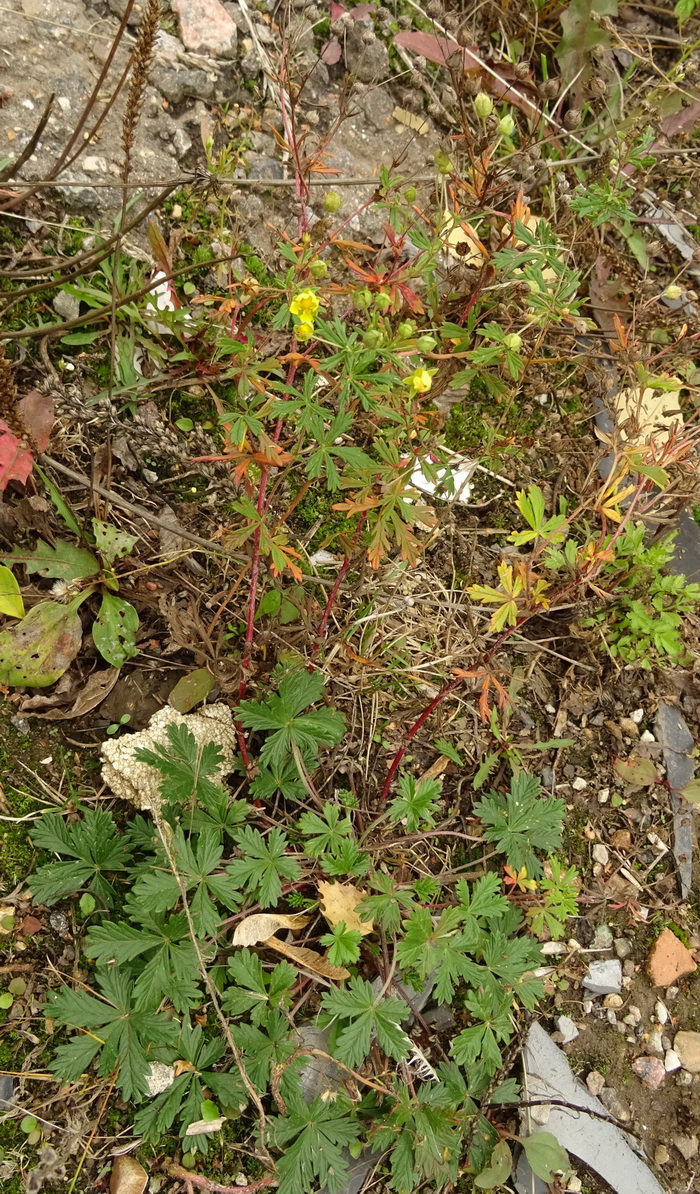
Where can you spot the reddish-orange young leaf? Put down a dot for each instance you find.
(15, 461)
(353, 506)
(38, 415)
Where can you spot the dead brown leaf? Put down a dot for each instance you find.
(264, 925)
(308, 959)
(96, 688)
(38, 415)
(128, 1177)
(338, 903)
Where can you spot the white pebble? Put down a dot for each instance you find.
(647, 736)
(549, 709)
(637, 716)
(661, 1012)
(601, 853)
(579, 784)
(603, 795)
(671, 1061)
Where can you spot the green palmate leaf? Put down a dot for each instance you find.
(168, 963)
(362, 1014)
(326, 832)
(63, 561)
(387, 906)
(263, 865)
(95, 847)
(442, 948)
(416, 804)
(37, 650)
(522, 822)
(123, 1038)
(187, 768)
(197, 861)
(114, 630)
(257, 991)
(312, 1139)
(288, 727)
(492, 1008)
(265, 1047)
(343, 944)
(11, 603)
(546, 1155)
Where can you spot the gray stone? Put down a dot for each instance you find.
(179, 85)
(66, 305)
(368, 63)
(687, 1146)
(60, 923)
(182, 143)
(262, 168)
(7, 1091)
(604, 978)
(672, 731)
(655, 1043)
(250, 65)
(603, 938)
(319, 1075)
(623, 948)
(684, 1078)
(597, 1143)
(677, 742)
(441, 1018)
(615, 1104)
(567, 1028)
(118, 7)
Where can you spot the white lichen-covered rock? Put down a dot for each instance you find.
(138, 782)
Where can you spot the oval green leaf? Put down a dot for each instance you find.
(38, 649)
(11, 602)
(499, 1168)
(114, 630)
(191, 690)
(546, 1155)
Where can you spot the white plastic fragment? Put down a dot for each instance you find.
(162, 297)
(323, 559)
(459, 473)
(159, 1077)
(599, 1144)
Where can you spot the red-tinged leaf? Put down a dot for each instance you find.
(331, 52)
(361, 11)
(679, 122)
(30, 925)
(337, 10)
(411, 299)
(38, 415)
(442, 49)
(435, 49)
(15, 461)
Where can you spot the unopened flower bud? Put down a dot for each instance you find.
(372, 338)
(318, 269)
(332, 201)
(506, 125)
(406, 329)
(513, 342)
(426, 344)
(673, 292)
(410, 194)
(483, 105)
(382, 301)
(362, 299)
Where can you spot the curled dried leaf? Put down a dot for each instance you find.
(308, 959)
(264, 925)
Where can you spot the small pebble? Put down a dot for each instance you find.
(687, 1146)
(601, 853)
(672, 1061)
(635, 1013)
(176, 213)
(603, 795)
(654, 1044)
(611, 1018)
(666, 1042)
(650, 1070)
(567, 1029)
(628, 968)
(579, 783)
(662, 1156)
(672, 993)
(587, 1007)
(647, 736)
(603, 938)
(614, 1001)
(574, 1185)
(637, 716)
(661, 1012)
(621, 840)
(595, 1082)
(622, 947)
(684, 1078)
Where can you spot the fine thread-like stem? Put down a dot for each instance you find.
(164, 835)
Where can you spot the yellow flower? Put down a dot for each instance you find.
(304, 331)
(305, 305)
(420, 381)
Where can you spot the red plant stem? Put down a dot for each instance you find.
(331, 600)
(205, 1183)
